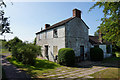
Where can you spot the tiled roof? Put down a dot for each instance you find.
(94, 40)
(59, 24)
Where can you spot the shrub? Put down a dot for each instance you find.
(96, 54)
(13, 42)
(17, 51)
(117, 54)
(29, 54)
(66, 56)
(26, 53)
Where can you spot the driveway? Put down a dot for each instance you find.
(13, 73)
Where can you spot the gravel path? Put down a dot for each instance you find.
(13, 73)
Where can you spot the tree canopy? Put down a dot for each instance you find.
(4, 23)
(110, 26)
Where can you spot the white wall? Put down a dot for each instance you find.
(50, 41)
(77, 35)
(103, 47)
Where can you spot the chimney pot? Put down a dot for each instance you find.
(47, 25)
(76, 13)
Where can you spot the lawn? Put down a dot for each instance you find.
(38, 70)
(108, 73)
(44, 68)
(111, 72)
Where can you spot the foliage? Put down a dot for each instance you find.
(96, 33)
(4, 43)
(4, 20)
(117, 54)
(34, 41)
(13, 42)
(115, 48)
(26, 53)
(29, 54)
(96, 54)
(17, 51)
(110, 26)
(66, 56)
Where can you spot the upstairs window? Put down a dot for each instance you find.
(55, 33)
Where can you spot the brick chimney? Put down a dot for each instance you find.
(47, 25)
(76, 13)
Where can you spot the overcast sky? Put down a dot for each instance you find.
(27, 18)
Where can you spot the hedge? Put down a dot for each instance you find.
(96, 54)
(66, 56)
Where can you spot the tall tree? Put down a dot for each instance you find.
(34, 41)
(4, 23)
(110, 26)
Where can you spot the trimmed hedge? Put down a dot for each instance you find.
(96, 54)
(66, 57)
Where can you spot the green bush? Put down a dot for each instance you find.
(17, 51)
(26, 53)
(13, 42)
(117, 54)
(96, 54)
(66, 56)
(29, 54)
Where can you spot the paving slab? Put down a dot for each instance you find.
(61, 77)
(88, 77)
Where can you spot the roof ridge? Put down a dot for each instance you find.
(57, 24)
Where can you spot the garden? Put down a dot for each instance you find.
(24, 56)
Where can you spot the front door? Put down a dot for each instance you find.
(46, 52)
(82, 52)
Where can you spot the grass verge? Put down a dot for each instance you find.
(38, 70)
(108, 73)
(4, 51)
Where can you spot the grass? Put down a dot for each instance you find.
(4, 51)
(108, 73)
(44, 68)
(36, 71)
(111, 72)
